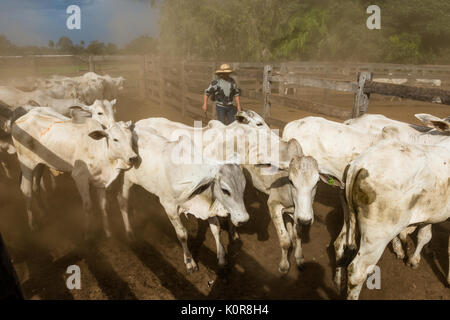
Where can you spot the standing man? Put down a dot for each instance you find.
(224, 90)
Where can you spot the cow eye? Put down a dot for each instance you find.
(226, 192)
(115, 140)
(259, 124)
(100, 113)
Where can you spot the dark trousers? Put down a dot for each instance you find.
(226, 114)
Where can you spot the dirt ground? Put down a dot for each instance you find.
(152, 267)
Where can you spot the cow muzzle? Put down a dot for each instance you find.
(239, 219)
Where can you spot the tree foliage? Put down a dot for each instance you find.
(412, 31)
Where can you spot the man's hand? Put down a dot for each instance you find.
(204, 108)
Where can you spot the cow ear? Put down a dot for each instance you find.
(294, 149)
(98, 134)
(440, 125)
(331, 181)
(426, 118)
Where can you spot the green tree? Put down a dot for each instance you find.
(96, 48)
(142, 45)
(65, 45)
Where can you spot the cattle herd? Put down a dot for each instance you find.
(392, 177)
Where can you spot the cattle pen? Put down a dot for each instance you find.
(152, 268)
(336, 90)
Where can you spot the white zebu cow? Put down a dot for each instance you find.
(291, 190)
(93, 155)
(87, 88)
(101, 110)
(374, 124)
(17, 98)
(390, 187)
(334, 145)
(167, 170)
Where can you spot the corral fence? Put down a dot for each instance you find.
(264, 87)
(403, 81)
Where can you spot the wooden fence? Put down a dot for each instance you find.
(181, 84)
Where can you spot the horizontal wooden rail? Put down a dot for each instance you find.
(296, 81)
(408, 92)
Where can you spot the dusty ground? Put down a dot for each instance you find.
(153, 268)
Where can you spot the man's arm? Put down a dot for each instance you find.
(205, 103)
(237, 93)
(238, 102)
(211, 89)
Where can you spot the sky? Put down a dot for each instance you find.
(35, 22)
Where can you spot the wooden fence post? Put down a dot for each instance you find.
(161, 82)
(361, 101)
(281, 86)
(143, 80)
(91, 64)
(267, 88)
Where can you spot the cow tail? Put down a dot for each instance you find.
(353, 172)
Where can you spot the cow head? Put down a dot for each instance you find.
(229, 191)
(101, 110)
(251, 118)
(303, 175)
(119, 144)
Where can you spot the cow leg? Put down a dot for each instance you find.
(26, 186)
(38, 186)
(83, 188)
(400, 242)
(397, 246)
(343, 241)
(214, 225)
(295, 235)
(180, 229)
(232, 231)
(423, 237)
(5, 166)
(124, 202)
(276, 213)
(101, 194)
(370, 251)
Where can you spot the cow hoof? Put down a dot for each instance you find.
(191, 266)
(223, 264)
(235, 236)
(300, 263)
(400, 256)
(131, 237)
(412, 264)
(283, 268)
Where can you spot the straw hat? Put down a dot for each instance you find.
(225, 68)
